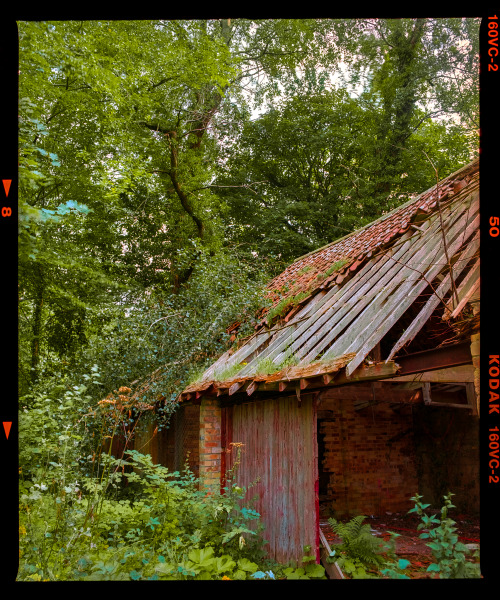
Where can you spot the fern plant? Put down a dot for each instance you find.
(358, 541)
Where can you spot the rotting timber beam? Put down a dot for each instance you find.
(364, 373)
(439, 358)
(460, 374)
(373, 372)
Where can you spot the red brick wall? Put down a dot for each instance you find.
(368, 456)
(210, 442)
(374, 459)
(447, 450)
(192, 438)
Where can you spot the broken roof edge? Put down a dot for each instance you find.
(463, 171)
(311, 377)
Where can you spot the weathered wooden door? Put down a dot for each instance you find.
(279, 464)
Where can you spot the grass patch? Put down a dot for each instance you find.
(305, 269)
(285, 305)
(266, 366)
(228, 372)
(336, 266)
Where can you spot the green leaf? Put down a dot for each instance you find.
(247, 565)
(436, 546)
(204, 557)
(459, 547)
(224, 563)
(315, 571)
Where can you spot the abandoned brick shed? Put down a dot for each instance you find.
(361, 385)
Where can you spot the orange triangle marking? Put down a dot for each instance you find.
(7, 425)
(6, 185)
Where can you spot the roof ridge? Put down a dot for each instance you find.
(463, 170)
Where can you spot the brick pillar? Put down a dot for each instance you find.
(474, 350)
(210, 442)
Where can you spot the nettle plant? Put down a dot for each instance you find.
(450, 555)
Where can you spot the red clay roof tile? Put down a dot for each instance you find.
(360, 245)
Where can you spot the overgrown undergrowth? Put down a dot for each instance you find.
(88, 515)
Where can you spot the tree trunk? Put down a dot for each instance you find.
(400, 97)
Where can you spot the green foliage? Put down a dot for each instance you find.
(267, 366)
(357, 540)
(336, 266)
(308, 568)
(449, 554)
(228, 372)
(396, 570)
(138, 172)
(285, 305)
(323, 160)
(79, 521)
(394, 567)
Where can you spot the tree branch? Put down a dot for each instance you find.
(179, 191)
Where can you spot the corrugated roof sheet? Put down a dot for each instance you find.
(387, 264)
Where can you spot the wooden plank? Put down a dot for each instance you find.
(346, 311)
(357, 294)
(252, 388)
(326, 307)
(452, 355)
(236, 386)
(278, 448)
(372, 372)
(367, 373)
(345, 301)
(227, 359)
(474, 288)
(472, 398)
(332, 569)
(469, 280)
(426, 392)
(424, 246)
(304, 383)
(284, 340)
(428, 308)
(280, 335)
(462, 374)
(327, 378)
(402, 275)
(400, 301)
(273, 350)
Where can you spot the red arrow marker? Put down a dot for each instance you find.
(7, 425)
(6, 186)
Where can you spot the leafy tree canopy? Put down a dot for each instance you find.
(158, 156)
